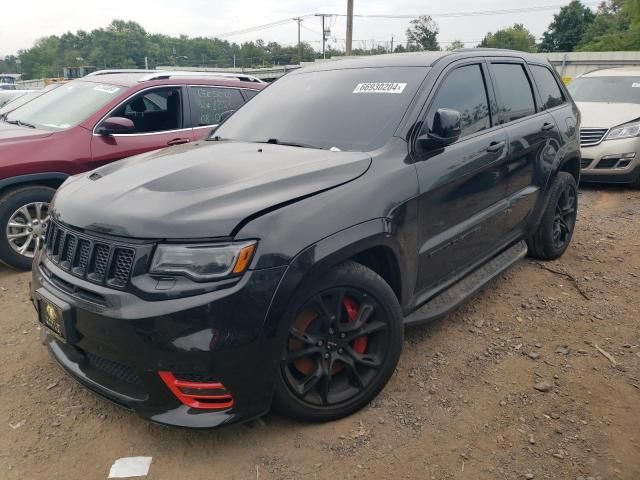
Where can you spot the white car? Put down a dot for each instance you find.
(609, 101)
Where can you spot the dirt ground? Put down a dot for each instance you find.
(463, 403)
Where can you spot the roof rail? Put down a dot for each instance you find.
(166, 74)
(117, 71)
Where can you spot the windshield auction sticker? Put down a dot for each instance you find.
(380, 87)
(106, 89)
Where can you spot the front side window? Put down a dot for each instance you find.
(152, 111)
(606, 89)
(208, 104)
(550, 92)
(65, 106)
(463, 90)
(515, 97)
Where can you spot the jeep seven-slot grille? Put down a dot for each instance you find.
(94, 259)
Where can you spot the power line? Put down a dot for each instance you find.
(462, 14)
(256, 28)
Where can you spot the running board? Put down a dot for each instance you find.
(457, 293)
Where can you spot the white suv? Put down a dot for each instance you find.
(609, 101)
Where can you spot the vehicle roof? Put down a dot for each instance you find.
(615, 72)
(136, 79)
(414, 59)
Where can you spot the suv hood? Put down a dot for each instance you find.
(607, 115)
(10, 133)
(199, 191)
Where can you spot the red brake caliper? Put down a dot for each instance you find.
(352, 308)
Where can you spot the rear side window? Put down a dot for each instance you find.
(463, 90)
(209, 103)
(249, 94)
(550, 92)
(515, 98)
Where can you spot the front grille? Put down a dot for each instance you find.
(585, 162)
(95, 259)
(591, 136)
(607, 162)
(115, 369)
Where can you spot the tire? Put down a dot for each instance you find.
(10, 204)
(545, 243)
(365, 302)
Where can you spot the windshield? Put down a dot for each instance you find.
(65, 106)
(606, 89)
(350, 109)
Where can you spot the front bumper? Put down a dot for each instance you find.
(605, 163)
(117, 348)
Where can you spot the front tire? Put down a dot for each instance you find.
(558, 221)
(23, 218)
(344, 341)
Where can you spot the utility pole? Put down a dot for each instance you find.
(299, 20)
(324, 33)
(349, 26)
(391, 44)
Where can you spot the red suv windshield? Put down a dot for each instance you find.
(65, 106)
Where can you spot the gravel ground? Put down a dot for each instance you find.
(536, 377)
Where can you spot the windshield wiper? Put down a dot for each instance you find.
(275, 141)
(19, 123)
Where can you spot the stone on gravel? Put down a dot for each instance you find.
(543, 386)
(533, 355)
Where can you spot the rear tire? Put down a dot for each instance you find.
(27, 227)
(350, 323)
(558, 221)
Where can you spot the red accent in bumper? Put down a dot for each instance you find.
(203, 401)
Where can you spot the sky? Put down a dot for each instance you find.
(21, 27)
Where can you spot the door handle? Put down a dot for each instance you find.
(547, 126)
(495, 146)
(178, 141)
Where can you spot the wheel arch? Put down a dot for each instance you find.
(571, 165)
(48, 179)
(370, 243)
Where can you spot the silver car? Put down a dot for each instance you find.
(609, 101)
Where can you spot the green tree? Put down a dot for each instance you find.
(455, 45)
(516, 37)
(615, 27)
(567, 28)
(422, 34)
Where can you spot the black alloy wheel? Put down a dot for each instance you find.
(342, 346)
(558, 222)
(565, 216)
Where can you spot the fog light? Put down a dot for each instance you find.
(623, 163)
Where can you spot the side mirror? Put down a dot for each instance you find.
(116, 125)
(446, 129)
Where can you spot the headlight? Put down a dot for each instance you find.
(624, 131)
(203, 261)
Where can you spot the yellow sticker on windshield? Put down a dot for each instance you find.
(380, 87)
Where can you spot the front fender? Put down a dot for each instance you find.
(331, 251)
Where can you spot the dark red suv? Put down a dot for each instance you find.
(91, 121)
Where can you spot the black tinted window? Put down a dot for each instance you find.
(209, 103)
(350, 109)
(249, 94)
(153, 111)
(515, 99)
(550, 92)
(463, 90)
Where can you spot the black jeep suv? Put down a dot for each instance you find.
(279, 261)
